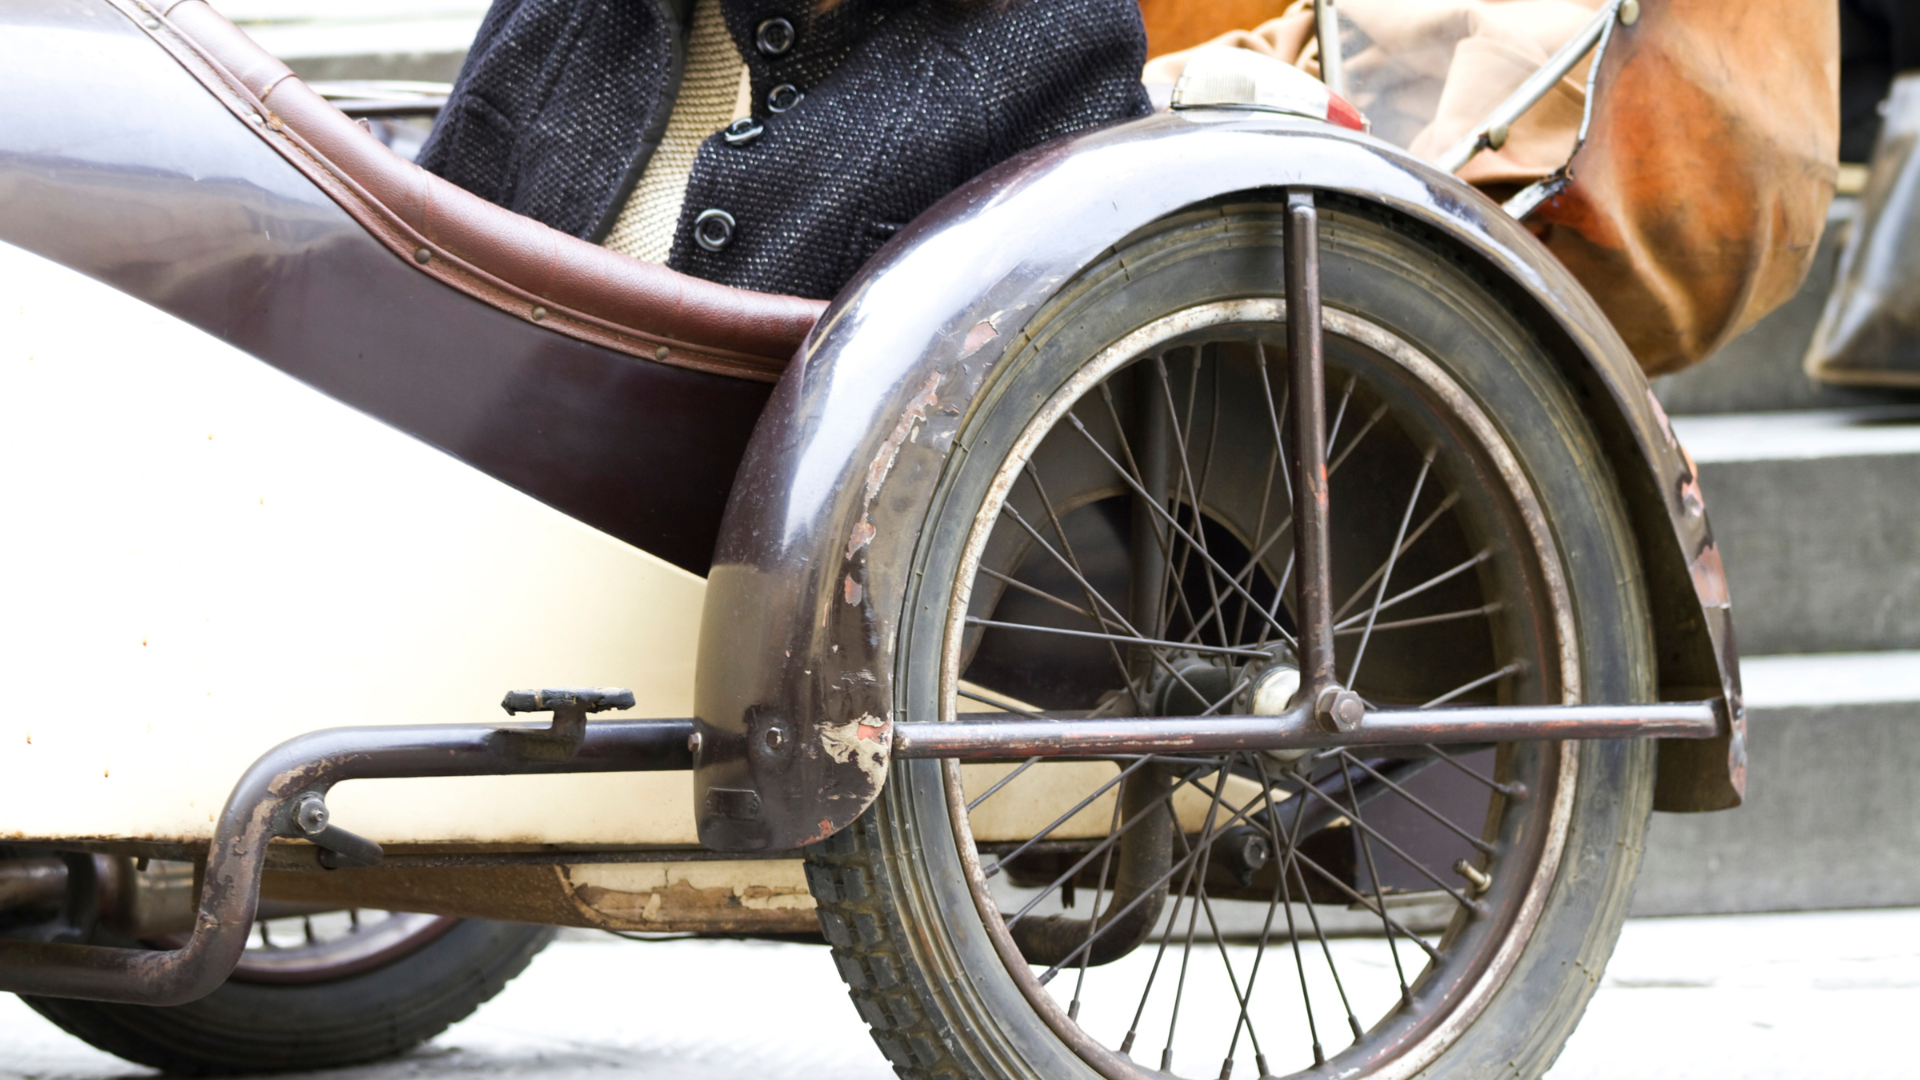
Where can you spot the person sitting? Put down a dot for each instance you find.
(771, 145)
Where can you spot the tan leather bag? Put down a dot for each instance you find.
(1697, 200)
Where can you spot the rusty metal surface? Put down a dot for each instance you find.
(127, 170)
(1008, 737)
(261, 808)
(750, 897)
(795, 691)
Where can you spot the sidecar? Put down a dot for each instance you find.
(1050, 622)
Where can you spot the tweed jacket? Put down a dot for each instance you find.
(864, 115)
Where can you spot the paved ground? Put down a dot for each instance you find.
(1750, 997)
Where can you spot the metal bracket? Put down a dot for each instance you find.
(569, 706)
(308, 819)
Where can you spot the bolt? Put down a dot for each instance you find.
(310, 814)
(1254, 852)
(1630, 12)
(776, 737)
(693, 744)
(1339, 710)
(1497, 136)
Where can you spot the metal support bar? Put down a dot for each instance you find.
(1313, 559)
(1009, 736)
(1491, 133)
(1326, 27)
(263, 806)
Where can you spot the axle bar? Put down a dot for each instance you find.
(266, 804)
(1010, 736)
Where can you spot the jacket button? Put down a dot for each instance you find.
(713, 229)
(743, 131)
(774, 37)
(783, 97)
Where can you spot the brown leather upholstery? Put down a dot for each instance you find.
(514, 263)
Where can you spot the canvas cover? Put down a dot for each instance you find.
(1699, 195)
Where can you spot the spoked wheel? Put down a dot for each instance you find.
(316, 991)
(1117, 540)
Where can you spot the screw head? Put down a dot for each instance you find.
(1630, 12)
(693, 744)
(1497, 136)
(310, 814)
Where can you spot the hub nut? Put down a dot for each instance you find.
(1339, 710)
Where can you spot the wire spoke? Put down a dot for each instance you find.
(1041, 593)
(1440, 578)
(1386, 576)
(1425, 620)
(1373, 873)
(1131, 639)
(1161, 540)
(998, 703)
(1419, 531)
(1174, 524)
(1064, 818)
(1387, 843)
(1239, 815)
(1002, 782)
(1475, 684)
(1199, 877)
(1066, 546)
(1504, 789)
(1093, 924)
(1401, 791)
(1196, 500)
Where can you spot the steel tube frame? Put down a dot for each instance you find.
(1306, 372)
(1011, 736)
(261, 808)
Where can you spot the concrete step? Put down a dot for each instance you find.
(1760, 371)
(1832, 818)
(1818, 518)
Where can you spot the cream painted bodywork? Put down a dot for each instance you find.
(207, 557)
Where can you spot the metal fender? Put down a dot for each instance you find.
(795, 691)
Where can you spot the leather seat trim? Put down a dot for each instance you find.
(511, 262)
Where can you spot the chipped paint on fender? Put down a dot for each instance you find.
(882, 464)
(863, 742)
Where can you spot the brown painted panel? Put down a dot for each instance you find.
(126, 169)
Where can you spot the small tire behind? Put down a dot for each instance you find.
(247, 1027)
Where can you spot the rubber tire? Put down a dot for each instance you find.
(893, 902)
(259, 1027)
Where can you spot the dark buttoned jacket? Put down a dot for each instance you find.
(864, 115)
